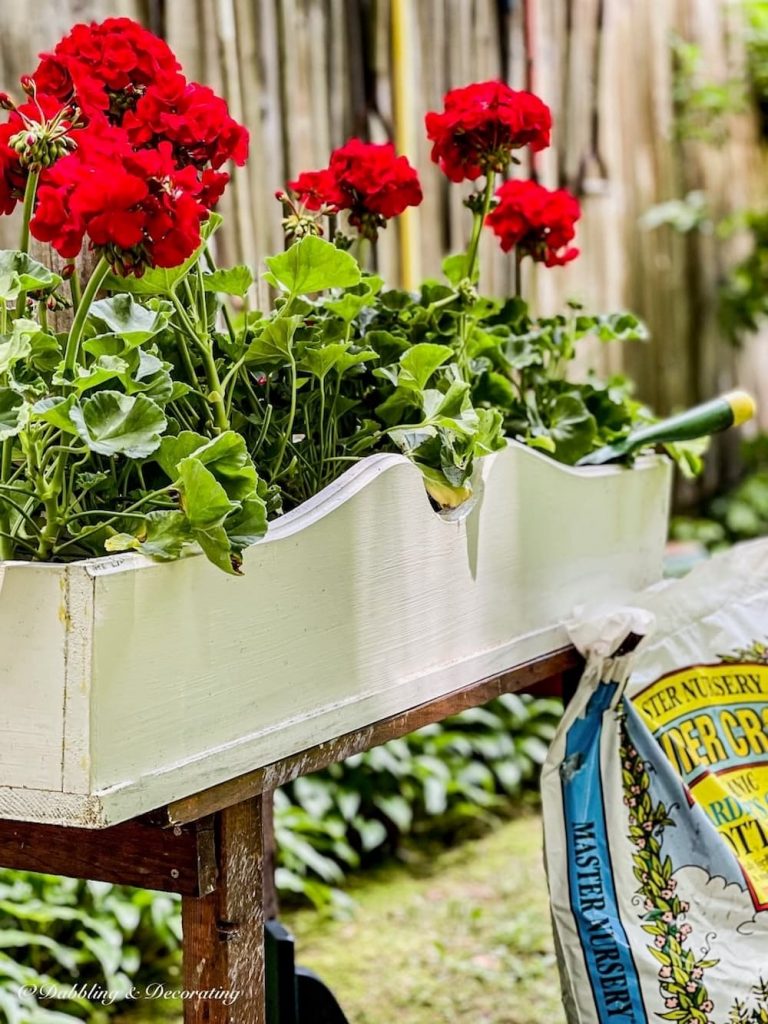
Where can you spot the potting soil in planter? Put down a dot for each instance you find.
(656, 805)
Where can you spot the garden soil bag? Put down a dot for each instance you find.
(656, 805)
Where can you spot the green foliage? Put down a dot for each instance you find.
(337, 370)
(744, 293)
(57, 934)
(83, 414)
(443, 779)
(702, 109)
(740, 513)
(702, 106)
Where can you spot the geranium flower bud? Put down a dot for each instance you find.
(6, 103)
(28, 85)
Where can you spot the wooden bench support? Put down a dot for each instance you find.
(178, 859)
(224, 931)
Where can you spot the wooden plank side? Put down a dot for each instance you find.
(34, 619)
(550, 670)
(133, 853)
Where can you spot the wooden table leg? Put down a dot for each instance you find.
(224, 931)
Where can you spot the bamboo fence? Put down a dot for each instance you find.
(305, 75)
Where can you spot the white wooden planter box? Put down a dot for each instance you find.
(125, 683)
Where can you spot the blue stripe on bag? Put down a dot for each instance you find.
(612, 971)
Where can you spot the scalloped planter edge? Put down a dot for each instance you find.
(126, 683)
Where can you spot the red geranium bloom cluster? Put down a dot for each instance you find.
(536, 222)
(107, 66)
(482, 124)
(368, 180)
(136, 169)
(138, 209)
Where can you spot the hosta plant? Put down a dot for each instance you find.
(145, 405)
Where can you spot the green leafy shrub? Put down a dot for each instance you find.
(444, 779)
(741, 513)
(76, 937)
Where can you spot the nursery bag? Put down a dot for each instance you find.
(656, 805)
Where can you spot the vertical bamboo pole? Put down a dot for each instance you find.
(404, 126)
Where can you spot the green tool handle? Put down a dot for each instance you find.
(711, 417)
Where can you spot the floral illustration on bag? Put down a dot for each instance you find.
(681, 974)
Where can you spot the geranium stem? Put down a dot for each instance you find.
(518, 273)
(74, 288)
(477, 225)
(78, 324)
(30, 192)
(216, 393)
(6, 466)
(288, 432)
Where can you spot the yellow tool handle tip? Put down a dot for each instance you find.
(742, 405)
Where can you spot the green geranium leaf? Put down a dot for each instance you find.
(14, 413)
(227, 458)
(174, 448)
(234, 281)
(572, 428)
(56, 410)
(103, 369)
(16, 346)
(163, 280)
(275, 343)
(20, 273)
(313, 265)
(247, 525)
(350, 359)
(112, 423)
(162, 535)
(124, 316)
(389, 346)
(490, 432)
(352, 303)
(421, 361)
(203, 499)
(320, 361)
(496, 389)
(455, 268)
(217, 549)
(453, 403)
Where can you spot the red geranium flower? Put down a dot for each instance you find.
(194, 119)
(108, 66)
(367, 179)
(118, 70)
(482, 124)
(316, 189)
(137, 208)
(535, 221)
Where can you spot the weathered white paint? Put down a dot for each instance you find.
(362, 603)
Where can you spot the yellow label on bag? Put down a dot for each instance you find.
(711, 721)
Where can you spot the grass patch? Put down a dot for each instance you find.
(461, 935)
